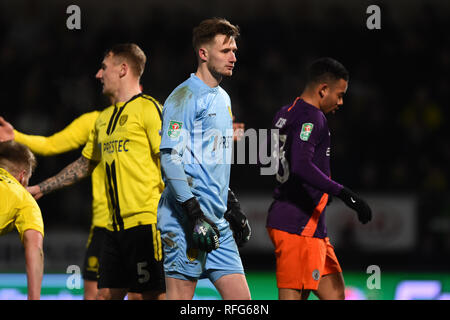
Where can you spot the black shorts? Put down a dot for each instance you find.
(132, 259)
(92, 256)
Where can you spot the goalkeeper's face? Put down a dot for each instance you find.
(221, 55)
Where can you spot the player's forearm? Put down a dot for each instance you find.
(34, 259)
(35, 271)
(176, 178)
(304, 167)
(71, 174)
(315, 178)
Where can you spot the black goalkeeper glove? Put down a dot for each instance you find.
(205, 234)
(356, 203)
(237, 220)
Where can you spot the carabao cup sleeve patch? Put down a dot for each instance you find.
(305, 133)
(174, 130)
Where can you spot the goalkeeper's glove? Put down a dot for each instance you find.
(205, 234)
(237, 220)
(356, 203)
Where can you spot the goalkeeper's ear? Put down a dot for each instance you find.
(202, 54)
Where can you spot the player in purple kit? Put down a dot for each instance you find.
(305, 259)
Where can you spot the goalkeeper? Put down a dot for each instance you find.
(196, 145)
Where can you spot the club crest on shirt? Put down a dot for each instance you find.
(306, 131)
(123, 119)
(92, 264)
(316, 274)
(174, 129)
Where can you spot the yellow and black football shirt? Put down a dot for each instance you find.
(18, 209)
(126, 139)
(74, 136)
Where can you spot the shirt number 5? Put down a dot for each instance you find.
(143, 274)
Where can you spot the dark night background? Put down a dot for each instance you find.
(388, 138)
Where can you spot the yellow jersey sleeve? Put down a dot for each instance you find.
(29, 216)
(152, 121)
(72, 137)
(18, 209)
(91, 150)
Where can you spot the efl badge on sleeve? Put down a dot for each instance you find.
(306, 131)
(174, 129)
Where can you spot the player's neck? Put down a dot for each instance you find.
(125, 93)
(207, 77)
(310, 99)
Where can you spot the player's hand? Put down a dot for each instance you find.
(205, 234)
(356, 203)
(238, 130)
(6, 130)
(35, 191)
(237, 220)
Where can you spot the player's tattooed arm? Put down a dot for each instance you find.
(71, 174)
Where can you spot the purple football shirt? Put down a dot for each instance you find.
(303, 178)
